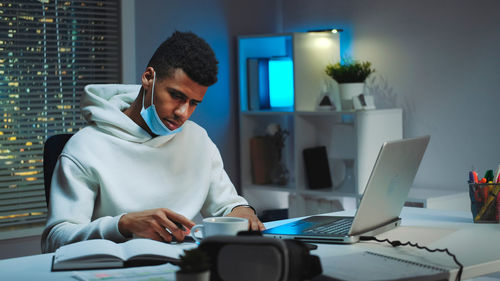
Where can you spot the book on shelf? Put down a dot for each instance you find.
(317, 167)
(101, 253)
(258, 83)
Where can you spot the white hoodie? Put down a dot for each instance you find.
(113, 166)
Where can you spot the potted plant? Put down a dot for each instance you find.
(351, 76)
(194, 266)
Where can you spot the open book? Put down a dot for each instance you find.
(100, 253)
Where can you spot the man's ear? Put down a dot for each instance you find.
(147, 78)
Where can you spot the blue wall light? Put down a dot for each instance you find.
(281, 82)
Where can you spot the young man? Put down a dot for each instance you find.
(141, 168)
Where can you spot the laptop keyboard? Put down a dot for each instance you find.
(339, 227)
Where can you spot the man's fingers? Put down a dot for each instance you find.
(175, 230)
(261, 226)
(171, 224)
(158, 224)
(160, 231)
(153, 233)
(173, 216)
(256, 225)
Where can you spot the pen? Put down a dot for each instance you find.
(489, 176)
(474, 177)
(497, 175)
(180, 226)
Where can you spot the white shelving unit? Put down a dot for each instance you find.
(352, 138)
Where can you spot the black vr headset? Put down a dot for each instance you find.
(257, 258)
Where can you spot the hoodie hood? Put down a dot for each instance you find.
(103, 106)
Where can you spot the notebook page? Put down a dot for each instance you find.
(87, 249)
(374, 266)
(136, 247)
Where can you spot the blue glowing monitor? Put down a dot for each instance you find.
(281, 82)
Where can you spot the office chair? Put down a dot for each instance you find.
(51, 150)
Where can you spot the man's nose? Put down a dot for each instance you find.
(182, 110)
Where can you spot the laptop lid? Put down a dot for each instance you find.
(389, 183)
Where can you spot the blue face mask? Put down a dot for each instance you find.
(151, 116)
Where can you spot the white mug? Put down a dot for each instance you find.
(219, 226)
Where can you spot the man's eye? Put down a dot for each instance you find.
(177, 96)
(194, 103)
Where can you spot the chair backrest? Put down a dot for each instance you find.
(51, 150)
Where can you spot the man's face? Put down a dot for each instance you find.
(175, 97)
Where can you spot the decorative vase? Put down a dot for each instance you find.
(347, 92)
(280, 174)
(193, 276)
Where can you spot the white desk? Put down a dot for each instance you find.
(477, 246)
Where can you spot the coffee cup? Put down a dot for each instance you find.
(219, 226)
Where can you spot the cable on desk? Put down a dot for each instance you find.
(397, 243)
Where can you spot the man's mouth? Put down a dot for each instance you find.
(172, 125)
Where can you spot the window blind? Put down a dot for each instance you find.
(49, 50)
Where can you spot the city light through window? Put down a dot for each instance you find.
(49, 50)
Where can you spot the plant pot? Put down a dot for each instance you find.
(347, 92)
(193, 276)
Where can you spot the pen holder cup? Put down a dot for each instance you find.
(485, 202)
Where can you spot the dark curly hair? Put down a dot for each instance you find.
(187, 51)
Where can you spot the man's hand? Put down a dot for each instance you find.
(248, 213)
(154, 223)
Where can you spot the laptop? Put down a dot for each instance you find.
(383, 199)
